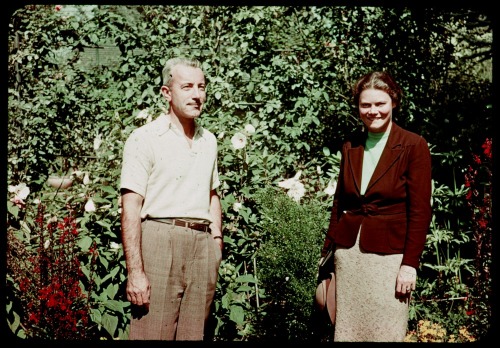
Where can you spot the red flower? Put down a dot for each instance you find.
(24, 284)
(487, 148)
(56, 305)
(469, 195)
(34, 318)
(483, 223)
(52, 302)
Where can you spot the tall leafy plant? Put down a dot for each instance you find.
(479, 183)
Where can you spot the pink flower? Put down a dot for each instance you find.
(58, 7)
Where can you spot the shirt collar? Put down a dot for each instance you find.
(165, 124)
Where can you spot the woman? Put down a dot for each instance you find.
(380, 218)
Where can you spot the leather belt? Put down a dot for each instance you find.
(184, 223)
(373, 209)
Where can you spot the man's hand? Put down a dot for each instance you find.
(138, 289)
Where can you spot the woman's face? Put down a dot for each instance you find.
(375, 110)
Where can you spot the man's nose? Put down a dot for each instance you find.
(196, 93)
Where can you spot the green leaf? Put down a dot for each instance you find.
(246, 278)
(111, 290)
(109, 189)
(85, 243)
(114, 305)
(13, 209)
(244, 288)
(15, 324)
(95, 315)
(237, 315)
(85, 270)
(104, 224)
(110, 323)
(104, 261)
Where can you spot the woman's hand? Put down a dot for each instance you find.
(406, 280)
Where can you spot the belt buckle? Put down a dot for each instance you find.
(181, 223)
(192, 225)
(197, 226)
(187, 224)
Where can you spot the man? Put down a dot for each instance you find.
(171, 214)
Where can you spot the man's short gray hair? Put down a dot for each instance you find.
(172, 62)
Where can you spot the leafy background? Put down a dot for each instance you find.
(287, 72)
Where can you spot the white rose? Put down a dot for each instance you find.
(330, 189)
(97, 142)
(288, 183)
(22, 191)
(297, 191)
(250, 129)
(86, 178)
(239, 140)
(90, 206)
(143, 114)
(237, 206)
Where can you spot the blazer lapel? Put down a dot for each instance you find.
(355, 160)
(392, 151)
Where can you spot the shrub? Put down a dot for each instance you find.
(287, 260)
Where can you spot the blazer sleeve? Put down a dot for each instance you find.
(419, 202)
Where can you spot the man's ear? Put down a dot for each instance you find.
(165, 92)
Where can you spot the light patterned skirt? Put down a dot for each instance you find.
(367, 307)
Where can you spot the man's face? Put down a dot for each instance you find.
(186, 94)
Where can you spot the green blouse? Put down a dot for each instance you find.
(374, 146)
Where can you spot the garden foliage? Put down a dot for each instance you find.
(279, 103)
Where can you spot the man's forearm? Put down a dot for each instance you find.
(216, 213)
(131, 236)
(131, 232)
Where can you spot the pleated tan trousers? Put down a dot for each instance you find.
(182, 266)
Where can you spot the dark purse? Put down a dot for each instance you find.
(325, 290)
(326, 266)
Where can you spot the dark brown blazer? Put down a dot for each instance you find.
(395, 211)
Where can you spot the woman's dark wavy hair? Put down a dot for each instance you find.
(381, 80)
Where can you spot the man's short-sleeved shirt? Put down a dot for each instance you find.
(174, 179)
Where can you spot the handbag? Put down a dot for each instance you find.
(325, 290)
